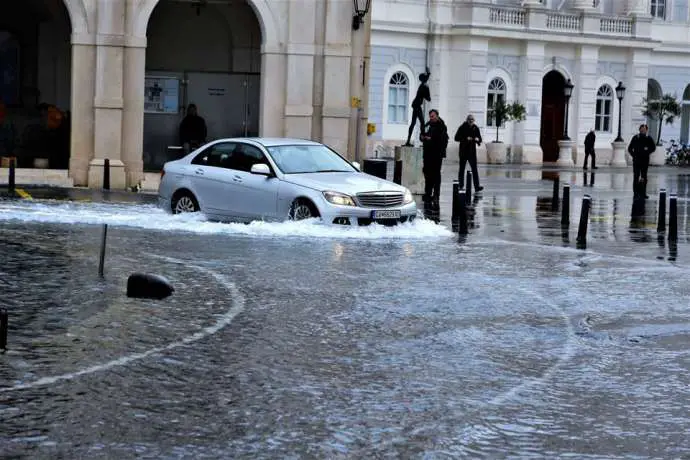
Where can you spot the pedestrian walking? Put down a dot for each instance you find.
(435, 141)
(469, 137)
(640, 148)
(590, 139)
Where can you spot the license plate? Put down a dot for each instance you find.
(386, 214)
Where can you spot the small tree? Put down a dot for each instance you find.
(665, 109)
(501, 112)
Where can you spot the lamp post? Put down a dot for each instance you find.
(567, 92)
(620, 93)
(361, 9)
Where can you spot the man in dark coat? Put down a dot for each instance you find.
(641, 147)
(469, 137)
(435, 140)
(192, 129)
(590, 139)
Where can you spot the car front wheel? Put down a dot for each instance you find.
(302, 209)
(184, 202)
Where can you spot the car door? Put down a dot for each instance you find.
(258, 193)
(212, 180)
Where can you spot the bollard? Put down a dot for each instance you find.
(397, 172)
(468, 186)
(462, 213)
(11, 179)
(661, 226)
(584, 220)
(4, 324)
(554, 199)
(565, 214)
(455, 203)
(101, 261)
(106, 174)
(673, 218)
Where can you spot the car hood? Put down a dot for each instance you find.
(343, 182)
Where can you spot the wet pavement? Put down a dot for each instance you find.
(299, 340)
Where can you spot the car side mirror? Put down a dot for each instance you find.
(261, 169)
(357, 166)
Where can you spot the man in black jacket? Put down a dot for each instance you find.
(435, 140)
(590, 139)
(469, 137)
(192, 129)
(640, 148)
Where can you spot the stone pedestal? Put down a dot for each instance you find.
(565, 153)
(618, 157)
(117, 174)
(412, 176)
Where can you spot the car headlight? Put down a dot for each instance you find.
(408, 198)
(339, 198)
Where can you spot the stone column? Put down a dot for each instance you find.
(527, 133)
(83, 93)
(583, 103)
(273, 89)
(133, 109)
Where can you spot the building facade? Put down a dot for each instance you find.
(122, 72)
(480, 51)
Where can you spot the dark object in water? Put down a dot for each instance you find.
(148, 286)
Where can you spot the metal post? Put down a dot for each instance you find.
(620, 112)
(455, 204)
(397, 172)
(101, 261)
(661, 226)
(673, 218)
(11, 179)
(106, 174)
(565, 214)
(468, 186)
(462, 213)
(554, 198)
(584, 220)
(4, 324)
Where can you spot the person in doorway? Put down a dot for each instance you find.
(469, 137)
(192, 129)
(417, 114)
(640, 148)
(590, 139)
(435, 141)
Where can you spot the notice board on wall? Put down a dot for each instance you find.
(162, 95)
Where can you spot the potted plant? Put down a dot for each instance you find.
(501, 113)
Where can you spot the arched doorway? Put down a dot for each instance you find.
(685, 117)
(35, 64)
(653, 93)
(207, 54)
(552, 114)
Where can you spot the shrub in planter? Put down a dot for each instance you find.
(501, 113)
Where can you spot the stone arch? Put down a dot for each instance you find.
(77, 15)
(270, 32)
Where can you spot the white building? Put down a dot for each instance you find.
(126, 70)
(525, 50)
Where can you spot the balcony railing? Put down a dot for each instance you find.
(563, 22)
(508, 16)
(619, 26)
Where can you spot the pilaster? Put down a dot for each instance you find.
(133, 113)
(527, 133)
(584, 107)
(83, 94)
(636, 90)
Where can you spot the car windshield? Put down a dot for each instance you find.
(298, 159)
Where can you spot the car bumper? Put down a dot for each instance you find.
(356, 216)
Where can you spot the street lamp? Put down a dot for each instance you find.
(567, 92)
(620, 93)
(361, 9)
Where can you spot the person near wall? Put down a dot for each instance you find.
(435, 141)
(192, 129)
(640, 148)
(469, 137)
(590, 139)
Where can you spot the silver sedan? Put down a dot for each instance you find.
(248, 179)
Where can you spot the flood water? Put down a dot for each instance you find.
(297, 340)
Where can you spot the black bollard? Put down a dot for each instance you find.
(106, 174)
(468, 186)
(397, 172)
(554, 198)
(584, 220)
(148, 286)
(565, 214)
(462, 213)
(661, 226)
(4, 324)
(455, 203)
(11, 179)
(673, 218)
(101, 261)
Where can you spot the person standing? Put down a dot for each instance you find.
(640, 148)
(435, 142)
(590, 139)
(469, 137)
(192, 129)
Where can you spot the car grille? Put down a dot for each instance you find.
(380, 199)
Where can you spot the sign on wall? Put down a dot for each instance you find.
(162, 95)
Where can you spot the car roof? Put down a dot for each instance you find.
(274, 141)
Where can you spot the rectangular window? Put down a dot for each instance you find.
(490, 103)
(397, 105)
(658, 9)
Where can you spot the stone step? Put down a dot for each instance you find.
(27, 176)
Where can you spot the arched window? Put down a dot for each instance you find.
(496, 92)
(398, 98)
(604, 110)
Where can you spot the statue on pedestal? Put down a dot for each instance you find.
(417, 112)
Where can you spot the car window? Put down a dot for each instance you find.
(300, 159)
(245, 156)
(219, 155)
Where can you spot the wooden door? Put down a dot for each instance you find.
(552, 115)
